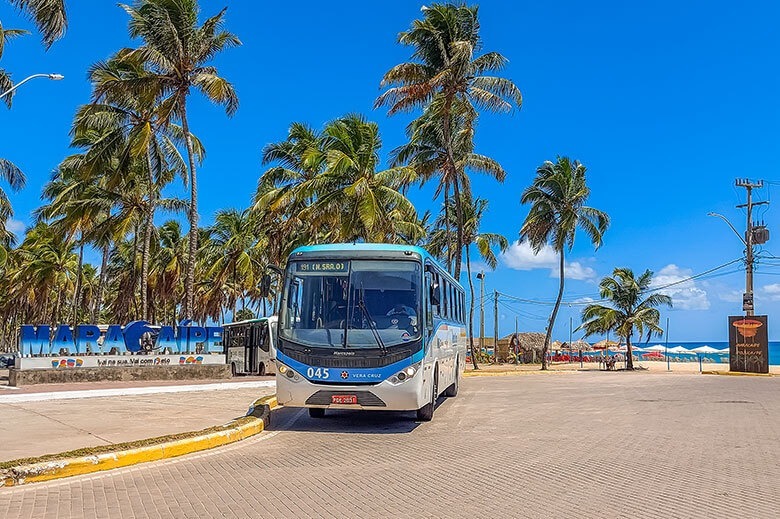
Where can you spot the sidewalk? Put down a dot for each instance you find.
(54, 418)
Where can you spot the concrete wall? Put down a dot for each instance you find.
(60, 376)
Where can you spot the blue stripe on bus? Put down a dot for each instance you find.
(349, 374)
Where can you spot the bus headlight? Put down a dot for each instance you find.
(405, 374)
(290, 374)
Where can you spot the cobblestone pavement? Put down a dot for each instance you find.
(559, 445)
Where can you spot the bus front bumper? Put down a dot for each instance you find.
(384, 396)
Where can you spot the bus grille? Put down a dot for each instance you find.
(364, 398)
(333, 361)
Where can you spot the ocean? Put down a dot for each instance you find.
(774, 350)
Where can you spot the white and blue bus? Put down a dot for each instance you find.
(369, 326)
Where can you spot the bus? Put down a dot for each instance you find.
(369, 326)
(250, 347)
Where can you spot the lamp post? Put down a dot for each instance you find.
(54, 77)
(481, 278)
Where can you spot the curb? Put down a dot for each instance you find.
(260, 412)
(514, 372)
(737, 374)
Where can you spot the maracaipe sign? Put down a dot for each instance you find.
(137, 336)
(748, 344)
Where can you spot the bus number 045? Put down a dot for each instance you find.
(317, 372)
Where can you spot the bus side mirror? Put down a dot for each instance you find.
(265, 285)
(434, 294)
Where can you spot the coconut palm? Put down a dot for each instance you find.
(49, 17)
(5, 77)
(485, 242)
(234, 255)
(177, 52)
(633, 308)
(139, 123)
(557, 197)
(448, 81)
(352, 198)
(168, 267)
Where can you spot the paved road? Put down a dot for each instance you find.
(560, 445)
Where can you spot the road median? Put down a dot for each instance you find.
(107, 457)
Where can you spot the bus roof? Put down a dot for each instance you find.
(371, 247)
(248, 321)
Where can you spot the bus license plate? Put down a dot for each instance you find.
(343, 399)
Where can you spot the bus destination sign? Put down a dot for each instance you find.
(323, 266)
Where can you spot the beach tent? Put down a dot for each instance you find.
(605, 344)
(680, 349)
(705, 349)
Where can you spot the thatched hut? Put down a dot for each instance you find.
(602, 345)
(529, 345)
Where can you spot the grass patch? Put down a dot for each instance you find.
(104, 449)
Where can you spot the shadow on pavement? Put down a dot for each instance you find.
(346, 421)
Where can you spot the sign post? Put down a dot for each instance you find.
(748, 344)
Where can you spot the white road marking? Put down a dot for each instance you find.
(97, 393)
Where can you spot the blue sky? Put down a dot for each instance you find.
(666, 103)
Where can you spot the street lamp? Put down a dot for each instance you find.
(54, 77)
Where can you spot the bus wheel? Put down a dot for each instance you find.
(453, 389)
(316, 412)
(261, 369)
(425, 413)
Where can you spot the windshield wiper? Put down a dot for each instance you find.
(362, 304)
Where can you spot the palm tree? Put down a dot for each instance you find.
(557, 197)
(168, 266)
(234, 255)
(177, 52)
(49, 17)
(356, 201)
(448, 81)
(140, 122)
(633, 308)
(485, 242)
(5, 77)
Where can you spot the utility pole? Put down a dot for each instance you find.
(751, 237)
(570, 348)
(481, 278)
(495, 326)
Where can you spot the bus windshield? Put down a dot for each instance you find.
(351, 304)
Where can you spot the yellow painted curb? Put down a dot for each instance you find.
(48, 470)
(737, 374)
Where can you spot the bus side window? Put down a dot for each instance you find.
(262, 336)
(437, 308)
(427, 300)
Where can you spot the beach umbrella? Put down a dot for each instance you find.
(657, 347)
(723, 350)
(680, 349)
(705, 349)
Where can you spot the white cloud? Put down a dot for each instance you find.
(686, 295)
(520, 256)
(584, 300)
(575, 270)
(731, 296)
(15, 226)
(772, 291)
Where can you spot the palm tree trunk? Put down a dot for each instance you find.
(547, 337)
(447, 225)
(77, 291)
(147, 241)
(459, 229)
(471, 308)
(101, 283)
(629, 354)
(189, 282)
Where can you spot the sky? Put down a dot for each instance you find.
(665, 103)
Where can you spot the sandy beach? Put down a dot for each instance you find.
(644, 365)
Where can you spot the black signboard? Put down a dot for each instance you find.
(324, 267)
(748, 344)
